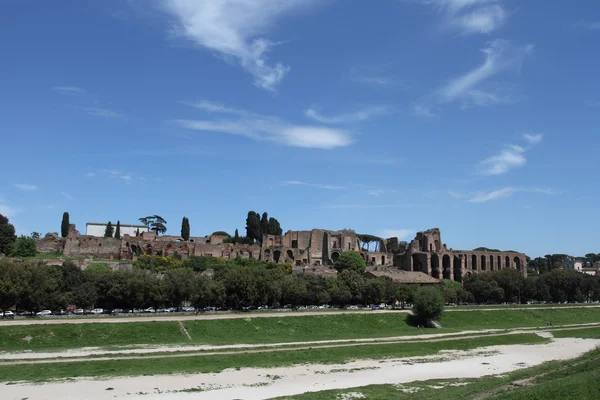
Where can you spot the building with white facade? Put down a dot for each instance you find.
(97, 229)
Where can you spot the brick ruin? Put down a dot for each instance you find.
(316, 250)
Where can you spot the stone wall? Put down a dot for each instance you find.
(88, 246)
(50, 244)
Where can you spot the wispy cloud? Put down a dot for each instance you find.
(589, 25)
(315, 185)
(126, 178)
(483, 197)
(371, 206)
(91, 174)
(176, 151)
(234, 29)
(372, 75)
(268, 128)
(346, 118)
(99, 112)
(470, 16)
(401, 234)
(512, 156)
(469, 89)
(380, 192)
(26, 187)
(7, 210)
(70, 90)
(67, 196)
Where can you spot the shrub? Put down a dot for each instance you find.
(428, 304)
(23, 247)
(351, 260)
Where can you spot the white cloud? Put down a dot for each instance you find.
(26, 187)
(315, 185)
(372, 75)
(482, 197)
(234, 29)
(533, 139)
(71, 90)
(471, 16)
(380, 192)
(370, 206)
(126, 178)
(589, 25)
(512, 156)
(356, 116)
(67, 196)
(7, 210)
(268, 128)
(99, 112)
(469, 89)
(91, 174)
(401, 234)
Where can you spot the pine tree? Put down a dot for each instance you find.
(109, 230)
(185, 228)
(264, 226)
(64, 226)
(118, 230)
(236, 237)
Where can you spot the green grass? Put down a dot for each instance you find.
(589, 333)
(217, 363)
(273, 330)
(573, 379)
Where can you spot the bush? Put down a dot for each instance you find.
(428, 304)
(156, 263)
(351, 260)
(23, 247)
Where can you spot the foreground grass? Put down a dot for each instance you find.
(217, 363)
(573, 379)
(273, 330)
(590, 333)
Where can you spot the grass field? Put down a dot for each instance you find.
(217, 363)
(272, 330)
(573, 379)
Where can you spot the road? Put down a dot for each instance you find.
(167, 317)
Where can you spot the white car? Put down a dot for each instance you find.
(97, 311)
(7, 314)
(150, 310)
(79, 311)
(44, 313)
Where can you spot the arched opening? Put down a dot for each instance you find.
(276, 255)
(435, 266)
(483, 263)
(446, 270)
(474, 263)
(335, 256)
(499, 266)
(290, 254)
(416, 262)
(134, 249)
(507, 259)
(491, 263)
(469, 273)
(267, 255)
(437, 245)
(457, 269)
(518, 263)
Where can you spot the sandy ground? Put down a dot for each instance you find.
(167, 317)
(259, 383)
(116, 353)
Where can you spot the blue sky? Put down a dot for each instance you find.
(479, 117)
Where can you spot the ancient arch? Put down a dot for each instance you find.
(446, 269)
(417, 265)
(335, 255)
(518, 263)
(267, 255)
(491, 263)
(437, 245)
(474, 263)
(484, 263)
(134, 250)
(276, 255)
(435, 266)
(290, 254)
(382, 260)
(457, 269)
(499, 263)
(507, 259)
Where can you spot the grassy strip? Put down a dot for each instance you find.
(217, 363)
(273, 330)
(558, 380)
(584, 333)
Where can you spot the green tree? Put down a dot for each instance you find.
(274, 227)
(118, 230)
(35, 235)
(23, 247)
(64, 226)
(351, 260)
(404, 294)
(236, 237)
(264, 226)
(428, 304)
(108, 232)
(7, 234)
(179, 286)
(221, 233)
(13, 284)
(185, 229)
(253, 226)
(155, 223)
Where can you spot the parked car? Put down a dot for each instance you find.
(97, 311)
(352, 308)
(79, 311)
(26, 314)
(7, 314)
(150, 310)
(43, 313)
(188, 309)
(117, 311)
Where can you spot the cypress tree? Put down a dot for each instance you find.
(118, 230)
(185, 228)
(137, 233)
(253, 226)
(274, 227)
(64, 226)
(108, 232)
(236, 237)
(264, 225)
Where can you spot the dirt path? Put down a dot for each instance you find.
(264, 383)
(192, 351)
(167, 318)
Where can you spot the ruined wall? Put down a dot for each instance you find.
(50, 244)
(92, 246)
